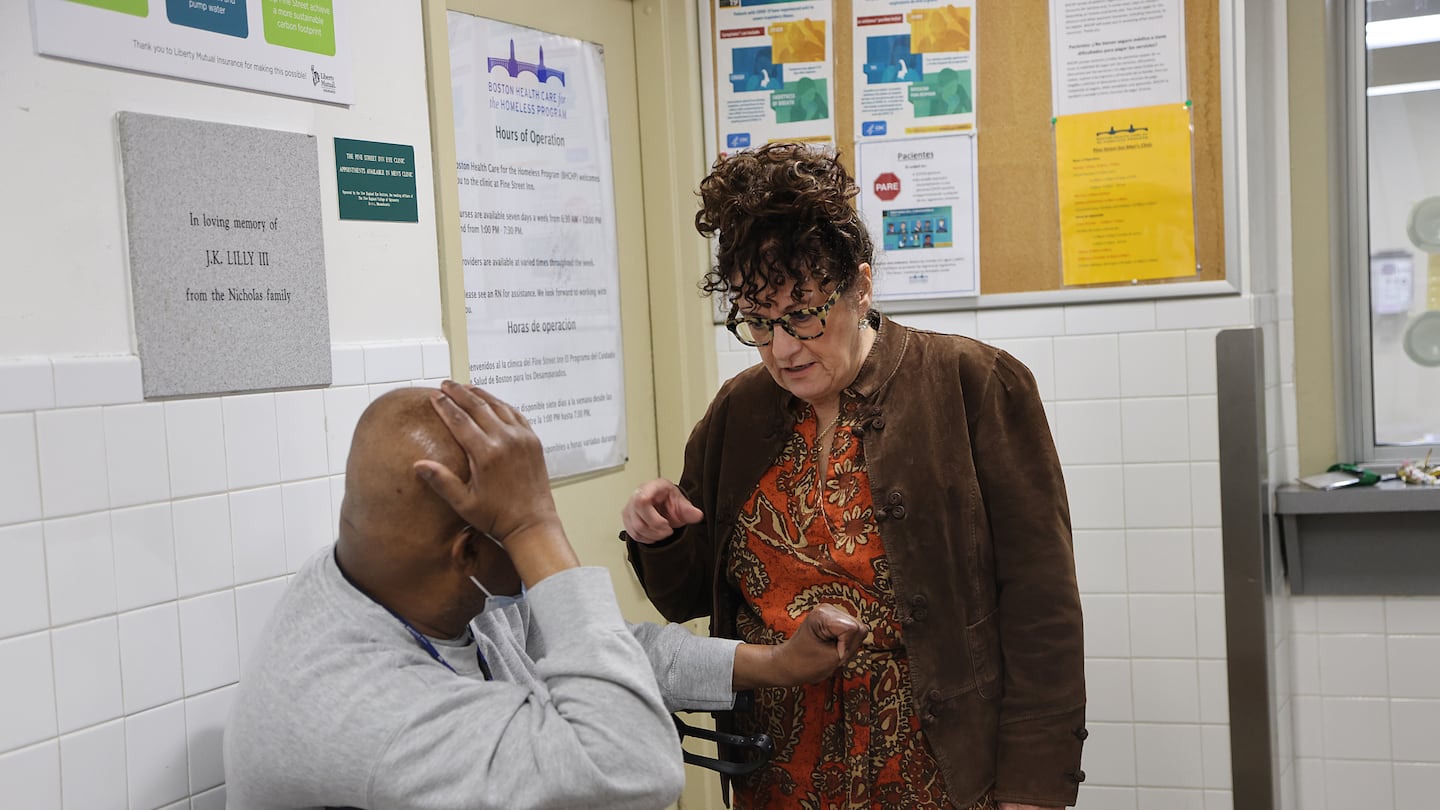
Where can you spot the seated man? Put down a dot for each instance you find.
(387, 678)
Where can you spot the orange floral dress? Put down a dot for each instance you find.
(852, 741)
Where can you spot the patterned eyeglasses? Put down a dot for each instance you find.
(802, 324)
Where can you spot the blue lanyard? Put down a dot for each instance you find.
(434, 653)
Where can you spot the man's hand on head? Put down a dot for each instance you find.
(508, 491)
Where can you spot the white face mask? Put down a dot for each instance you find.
(490, 597)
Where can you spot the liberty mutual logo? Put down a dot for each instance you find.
(324, 81)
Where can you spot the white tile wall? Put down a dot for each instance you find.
(1110, 754)
(300, 425)
(26, 384)
(1166, 754)
(1367, 708)
(1155, 429)
(1200, 360)
(1214, 692)
(1171, 799)
(1190, 313)
(150, 663)
(80, 565)
(1152, 364)
(92, 768)
(1089, 431)
(1135, 316)
(209, 650)
(195, 436)
(252, 448)
(73, 475)
(435, 359)
(204, 733)
(1107, 625)
(30, 777)
(28, 700)
(203, 558)
(87, 673)
(1352, 666)
(1087, 367)
(1416, 785)
(1355, 783)
(209, 800)
(24, 601)
(394, 362)
(1108, 692)
(308, 527)
(1100, 565)
(257, 534)
(157, 765)
(992, 324)
(19, 469)
(142, 547)
(101, 380)
(1209, 561)
(1101, 797)
(1097, 496)
(135, 454)
(347, 365)
(1166, 691)
(1038, 355)
(1162, 626)
(1157, 496)
(1160, 561)
(1414, 662)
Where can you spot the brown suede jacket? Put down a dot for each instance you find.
(972, 510)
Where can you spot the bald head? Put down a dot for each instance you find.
(384, 501)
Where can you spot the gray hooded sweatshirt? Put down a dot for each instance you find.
(340, 706)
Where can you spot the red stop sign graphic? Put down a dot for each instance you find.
(887, 186)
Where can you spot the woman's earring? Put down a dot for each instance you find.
(864, 324)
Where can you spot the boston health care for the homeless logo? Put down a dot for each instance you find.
(513, 88)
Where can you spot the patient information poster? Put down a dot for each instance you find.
(914, 67)
(918, 198)
(537, 235)
(1127, 209)
(290, 47)
(1116, 54)
(775, 75)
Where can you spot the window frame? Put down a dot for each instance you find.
(1356, 397)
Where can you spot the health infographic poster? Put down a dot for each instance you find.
(918, 197)
(1116, 54)
(914, 67)
(775, 71)
(1127, 208)
(537, 235)
(290, 47)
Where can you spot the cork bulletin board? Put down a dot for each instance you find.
(1019, 239)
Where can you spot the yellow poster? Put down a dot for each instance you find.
(1126, 200)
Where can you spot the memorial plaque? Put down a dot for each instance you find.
(227, 258)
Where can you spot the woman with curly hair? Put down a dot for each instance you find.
(907, 477)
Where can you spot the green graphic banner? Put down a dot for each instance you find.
(139, 8)
(305, 25)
